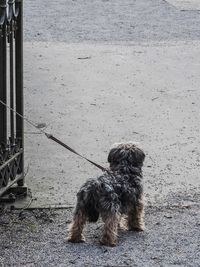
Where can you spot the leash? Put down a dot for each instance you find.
(53, 138)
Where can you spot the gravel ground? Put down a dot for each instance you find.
(41, 239)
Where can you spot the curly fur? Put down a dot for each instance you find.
(118, 192)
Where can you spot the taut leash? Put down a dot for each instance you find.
(50, 136)
(53, 138)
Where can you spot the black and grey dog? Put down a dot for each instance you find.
(115, 196)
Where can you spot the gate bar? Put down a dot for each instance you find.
(3, 71)
(11, 36)
(19, 81)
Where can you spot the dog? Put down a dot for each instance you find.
(115, 196)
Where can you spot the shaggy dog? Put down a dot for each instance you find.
(115, 195)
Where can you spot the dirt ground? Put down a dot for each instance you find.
(97, 72)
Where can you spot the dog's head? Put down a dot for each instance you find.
(126, 156)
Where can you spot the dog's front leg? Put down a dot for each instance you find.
(136, 216)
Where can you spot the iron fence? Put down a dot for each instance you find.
(11, 93)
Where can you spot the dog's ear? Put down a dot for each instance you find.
(114, 155)
(136, 156)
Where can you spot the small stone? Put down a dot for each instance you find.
(168, 216)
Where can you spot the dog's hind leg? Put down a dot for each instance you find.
(123, 222)
(110, 230)
(136, 217)
(76, 228)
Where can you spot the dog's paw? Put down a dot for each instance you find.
(76, 239)
(108, 243)
(138, 228)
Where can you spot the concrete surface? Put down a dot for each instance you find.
(98, 21)
(97, 72)
(185, 4)
(144, 93)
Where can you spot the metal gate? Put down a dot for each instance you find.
(11, 93)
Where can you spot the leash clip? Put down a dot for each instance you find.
(48, 135)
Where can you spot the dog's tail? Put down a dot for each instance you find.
(86, 197)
